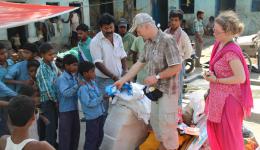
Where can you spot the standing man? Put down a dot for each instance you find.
(183, 42)
(163, 61)
(128, 38)
(109, 56)
(199, 31)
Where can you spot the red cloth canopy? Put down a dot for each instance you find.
(17, 14)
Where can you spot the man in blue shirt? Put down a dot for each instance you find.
(67, 88)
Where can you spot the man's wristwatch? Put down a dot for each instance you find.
(158, 77)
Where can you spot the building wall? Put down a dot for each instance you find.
(208, 6)
(141, 6)
(243, 7)
(250, 19)
(63, 39)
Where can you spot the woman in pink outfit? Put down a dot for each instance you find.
(230, 96)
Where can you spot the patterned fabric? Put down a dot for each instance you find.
(219, 64)
(128, 40)
(46, 76)
(183, 42)
(198, 26)
(159, 54)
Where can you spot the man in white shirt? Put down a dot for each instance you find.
(183, 42)
(108, 54)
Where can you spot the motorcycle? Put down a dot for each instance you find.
(190, 62)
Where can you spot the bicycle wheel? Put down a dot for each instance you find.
(248, 61)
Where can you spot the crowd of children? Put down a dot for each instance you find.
(54, 93)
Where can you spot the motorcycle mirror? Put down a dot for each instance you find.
(158, 25)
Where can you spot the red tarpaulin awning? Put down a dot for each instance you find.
(17, 14)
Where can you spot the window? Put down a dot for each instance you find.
(255, 5)
(187, 6)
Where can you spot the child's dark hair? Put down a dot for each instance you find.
(45, 47)
(31, 47)
(33, 63)
(176, 13)
(82, 27)
(2, 46)
(106, 19)
(69, 59)
(85, 66)
(20, 110)
(211, 18)
(26, 90)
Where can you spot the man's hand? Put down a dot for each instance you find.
(150, 80)
(119, 84)
(28, 82)
(115, 78)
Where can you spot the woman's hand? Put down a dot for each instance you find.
(209, 76)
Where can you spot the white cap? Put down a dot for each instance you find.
(139, 19)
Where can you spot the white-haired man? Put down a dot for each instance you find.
(161, 55)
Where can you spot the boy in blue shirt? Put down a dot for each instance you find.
(46, 76)
(5, 63)
(92, 106)
(67, 88)
(5, 94)
(18, 75)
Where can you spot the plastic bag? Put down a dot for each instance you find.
(198, 105)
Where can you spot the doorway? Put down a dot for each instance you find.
(225, 5)
(18, 34)
(160, 12)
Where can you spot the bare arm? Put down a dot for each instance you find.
(124, 65)
(167, 73)
(22, 82)
(131, 74)
(105, 71)
(39, 145)
(238, 73)
(170, 71)
(3, 103)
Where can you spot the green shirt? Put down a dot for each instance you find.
(138, 46)
(84, 47)
(75, 51)
(128, 40)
